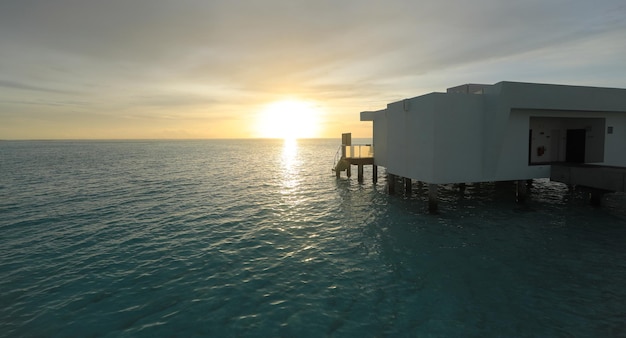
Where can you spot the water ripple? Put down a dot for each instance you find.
(238, 237)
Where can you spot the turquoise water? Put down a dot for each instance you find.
(258, 238)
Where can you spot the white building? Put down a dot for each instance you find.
(501, 132)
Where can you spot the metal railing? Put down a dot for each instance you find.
(353, 151)
(337, 158)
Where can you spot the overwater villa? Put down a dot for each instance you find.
(508, 131)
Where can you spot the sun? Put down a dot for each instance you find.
(289, 119)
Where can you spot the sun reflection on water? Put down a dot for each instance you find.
(290, 151)
(290, 164)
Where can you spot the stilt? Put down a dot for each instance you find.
(521, 192)
(407, 185)
(374, 173)
(432, 198)
(360, 173)
(346, 141)
(349, 171)
(391, 184)
(595, 197)
(337, 173)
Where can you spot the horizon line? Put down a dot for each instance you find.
(171, 139)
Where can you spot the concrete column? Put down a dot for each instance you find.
(521, 192)
(391, 184)
(346, 141)
(595, 197)
(433, 203)
(374, 173)
(360, 173)
(407, 185)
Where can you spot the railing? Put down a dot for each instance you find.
(337, 157)
(360, 151)
(353, 151)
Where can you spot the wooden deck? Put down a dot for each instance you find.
(350, 154)
(360, 160)
(591, 176)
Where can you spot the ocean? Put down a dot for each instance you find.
(224, 238)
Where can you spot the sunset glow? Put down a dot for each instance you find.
(151, 69)
(289, 119)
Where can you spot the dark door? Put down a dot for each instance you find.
(575, 145)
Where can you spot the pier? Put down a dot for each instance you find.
(358, 154)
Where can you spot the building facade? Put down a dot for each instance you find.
(500, 132)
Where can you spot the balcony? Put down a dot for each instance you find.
(358, 151)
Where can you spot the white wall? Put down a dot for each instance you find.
(615, 145)
(512, 162)
(453, 137)
(420, 134)
(396, 139)
(458, 138)
(548, 132)
(379, 136)
(419, 138)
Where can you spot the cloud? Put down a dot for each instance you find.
(25, 86)
(241, 41)
(228, 56)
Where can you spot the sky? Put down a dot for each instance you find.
(156, 69)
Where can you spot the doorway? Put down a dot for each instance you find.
(575, 145)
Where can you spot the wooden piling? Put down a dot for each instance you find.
(391, 184)
(595, 197)
(432, 198)
(407, 185)
(521, 191)
(374, 173)
(360, 173)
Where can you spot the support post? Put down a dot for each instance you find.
(521, 192)
(391, 184)
(407, 185)
(462, 187)
(360, 173)
(432, 198)
(346, 141)
(595, 197)
(374, 173)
